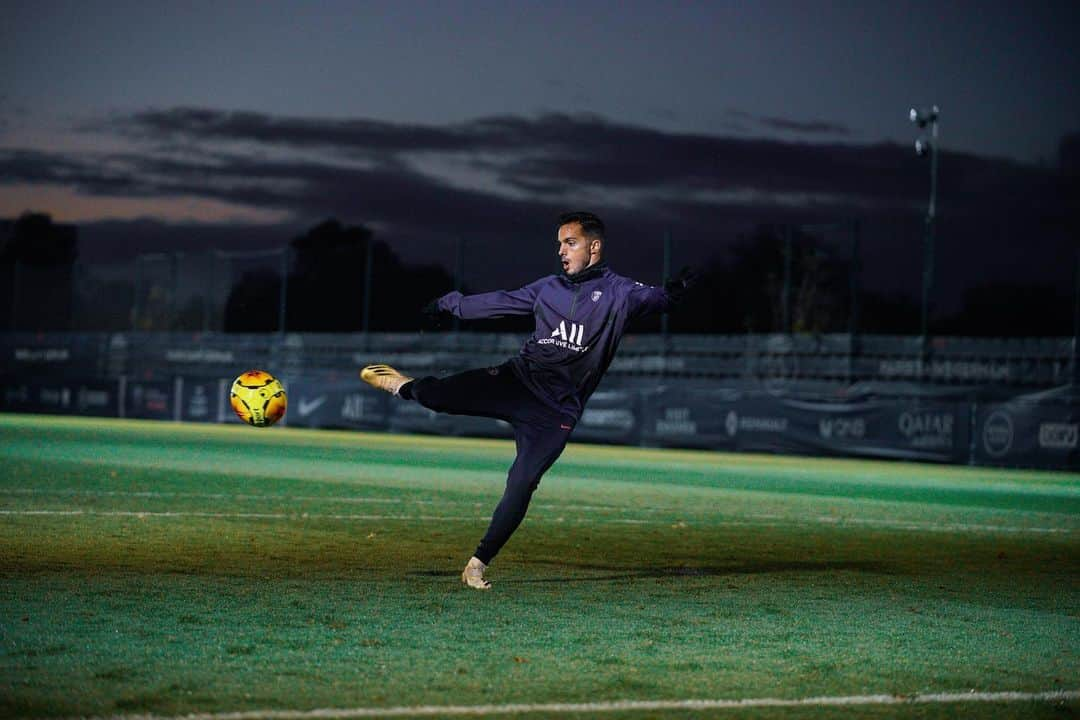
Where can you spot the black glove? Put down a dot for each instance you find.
(434, 318)
(678, 287)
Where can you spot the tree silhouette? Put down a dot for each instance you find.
(38, 256)
(253, 305)
(1009, 309)
(746, 293)
(325, 290)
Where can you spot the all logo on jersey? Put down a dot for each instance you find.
(574, 336)
(568, 335)
(596, 295)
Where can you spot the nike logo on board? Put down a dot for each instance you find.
(309, 406)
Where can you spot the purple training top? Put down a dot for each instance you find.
(579, 322)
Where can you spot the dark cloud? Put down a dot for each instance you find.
(555, 155)
(31, 166)
(100, 177)
(372, 136)
(203, 124)
(545, 160)
(811, 127)
(553, 150)
(705, 190)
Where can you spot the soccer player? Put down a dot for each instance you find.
(581, 314)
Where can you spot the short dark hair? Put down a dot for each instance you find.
(591, 225)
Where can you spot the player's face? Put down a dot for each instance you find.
(576, 252)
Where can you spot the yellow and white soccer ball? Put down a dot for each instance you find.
(258, 398)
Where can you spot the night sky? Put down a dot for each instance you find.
(247, 122)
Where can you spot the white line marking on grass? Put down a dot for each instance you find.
(233, 516)
(686, 521)
(248, 497)
(219, 496)
(775, 521)
(937, 527)
(1051, 696)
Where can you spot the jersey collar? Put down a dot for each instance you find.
(589, 273)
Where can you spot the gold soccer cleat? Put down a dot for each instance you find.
(473, 575)
(384, 377)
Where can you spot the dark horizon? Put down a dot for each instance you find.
(741, 291)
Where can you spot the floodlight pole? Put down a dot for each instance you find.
(283, 291)
(922, 118)
(459, 274)
(667, 276)
(854, 289)
(1076, 325)
(785, 293)
(369, 261)
(174, 300)
(15, 295)
(928, 237)
(135, 300)
(209, 292)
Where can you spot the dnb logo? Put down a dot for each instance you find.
(842, 428)
(998, 433)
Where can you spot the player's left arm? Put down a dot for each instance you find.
(648, 299)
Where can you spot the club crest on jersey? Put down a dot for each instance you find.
(596, 295)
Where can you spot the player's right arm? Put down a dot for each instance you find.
(490, 305)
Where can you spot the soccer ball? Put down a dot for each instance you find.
(258, 398)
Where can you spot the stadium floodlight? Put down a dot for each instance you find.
(924, 117)
(927, 146)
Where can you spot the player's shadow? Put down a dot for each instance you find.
(433, 573)
(750, 568)
(610, 573)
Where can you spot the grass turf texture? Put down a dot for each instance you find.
(168, 568)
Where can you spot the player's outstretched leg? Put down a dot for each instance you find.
(384, 377)
(484, 392)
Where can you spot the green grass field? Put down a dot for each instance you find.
(164, 569)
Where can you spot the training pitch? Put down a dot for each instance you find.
(163, 569)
